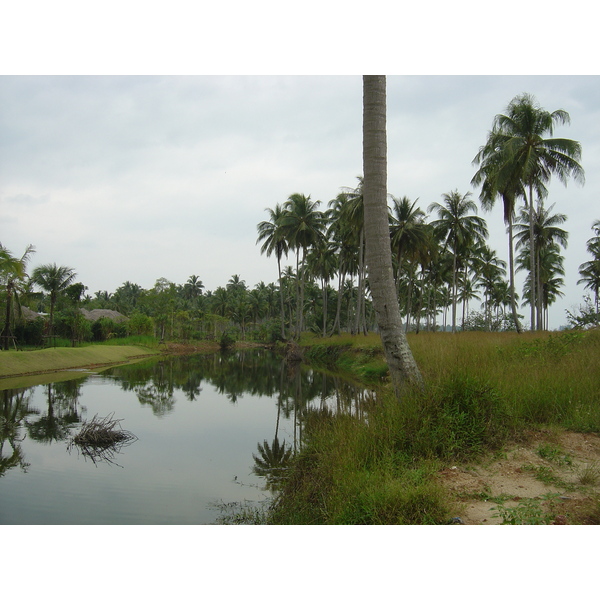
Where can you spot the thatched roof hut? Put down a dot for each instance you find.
(98, 313)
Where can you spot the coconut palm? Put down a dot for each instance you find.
(343, 236)
(521, 153)
(458, 230)
(193, 287)
(590, 270)
(490, 271)
(410, 237)
(54, 280)
(322, 263)
(403, 368)
(590, 276)
(13, 278)
(302, 225)
(546, 234)
(272, 235)
(355, 221)
(499, 179)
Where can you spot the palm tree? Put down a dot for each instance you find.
(272, 235)
(504, 182)
(490, 271)
(410, 237)
(458, 230)
(302, 225)
(590, 270)
(322, 263)
(355, 220)
(343, 237)
(401, 363)
(54, 280)
(13, 277)
(193, 287)
(521, 154)
(546, 234)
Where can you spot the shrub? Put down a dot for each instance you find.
(140, 324)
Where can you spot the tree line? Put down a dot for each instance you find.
(442, 265)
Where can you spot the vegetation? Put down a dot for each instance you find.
(437, 265)
(518, 160)
(387, 462)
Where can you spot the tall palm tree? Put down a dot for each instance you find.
(13, 276)
(343, 237)
(401, 363)
(590, 270)
(525, 155)
(546, 234)
(272, 234)
(54, 280)
(409, 233)
(458, 230)
(322, 263)
(490, 271)
(355, 220)
(499, 179)
(303, 225)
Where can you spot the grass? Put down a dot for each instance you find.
(482, 389)
(14, 363)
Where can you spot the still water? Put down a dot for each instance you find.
(203, 424)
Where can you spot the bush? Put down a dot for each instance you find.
(140, 324)
(30, 332)
(105, 328)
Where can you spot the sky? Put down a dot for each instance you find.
(135, 178)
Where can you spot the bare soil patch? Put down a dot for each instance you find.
(557, 472)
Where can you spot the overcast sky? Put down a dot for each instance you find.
(141, 177)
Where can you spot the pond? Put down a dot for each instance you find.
(205, 427)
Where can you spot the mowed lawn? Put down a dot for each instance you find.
(14, 363)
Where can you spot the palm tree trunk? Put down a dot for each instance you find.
(511, 261)
(336, 323)
(454, 293)
(401, 363)
(281, 299)
(532, 259)
(361, 279)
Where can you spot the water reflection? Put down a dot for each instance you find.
(61, 415)
(15, 410)
(201, 419)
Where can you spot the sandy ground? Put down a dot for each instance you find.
(564, 464)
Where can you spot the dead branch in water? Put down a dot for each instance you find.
(102, 438)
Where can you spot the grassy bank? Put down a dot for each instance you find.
(482, 391)
(15, 364)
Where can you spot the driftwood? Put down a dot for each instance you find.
(102, 438)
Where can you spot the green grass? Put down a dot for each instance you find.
(14, 363)
(482, 389)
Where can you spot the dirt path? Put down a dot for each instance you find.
(550, 477)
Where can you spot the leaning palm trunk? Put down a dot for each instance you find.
(401, 363)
